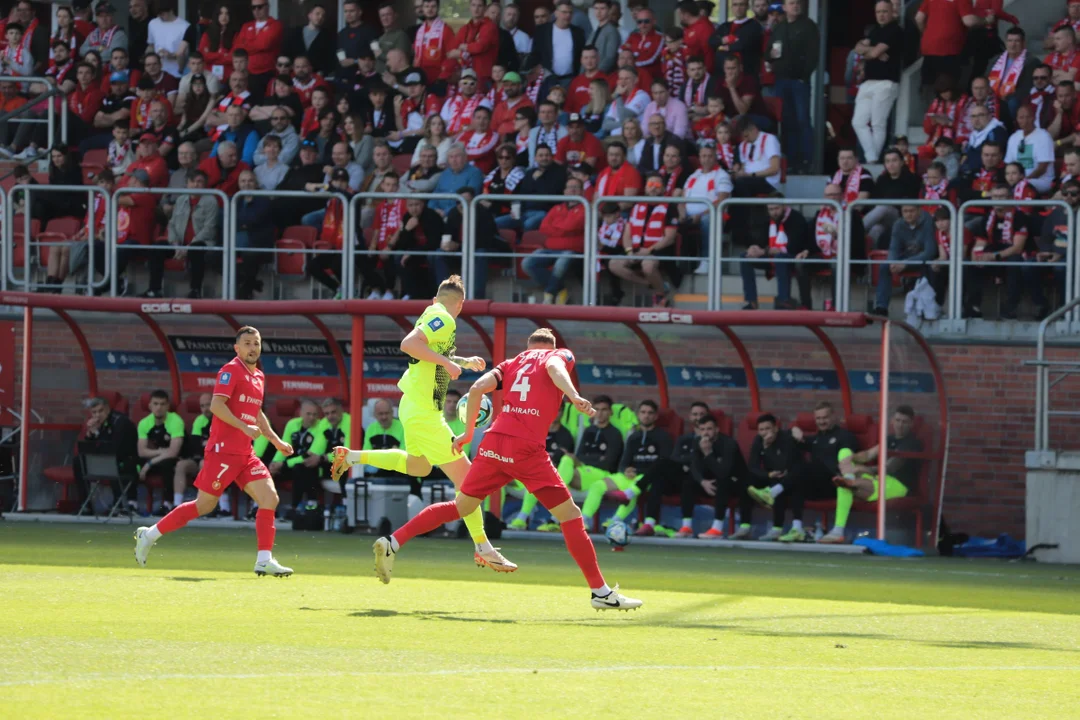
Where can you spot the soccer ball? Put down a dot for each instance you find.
(483, 418)
(618, 534)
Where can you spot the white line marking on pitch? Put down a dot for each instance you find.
(75, 679)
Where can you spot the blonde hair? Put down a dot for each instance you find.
(543, 336)
(600, 100)
(451, 284)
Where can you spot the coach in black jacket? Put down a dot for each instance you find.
(775, 464)
(111, 432)
(544, 51)
(718, 469)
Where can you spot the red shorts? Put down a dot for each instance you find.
(220, 470)
(502, 459)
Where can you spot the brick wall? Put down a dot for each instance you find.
(990, 395)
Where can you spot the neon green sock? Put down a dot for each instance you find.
(593, 497)
(566, 469)
(528, 504)
(844, 500)
(393, 459)
(474, 521)
(624, 510)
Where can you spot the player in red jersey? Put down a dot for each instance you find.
(238, 419)
(533, 384)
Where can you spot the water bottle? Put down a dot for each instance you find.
(819, 531)
(340, 518)
(326, 519)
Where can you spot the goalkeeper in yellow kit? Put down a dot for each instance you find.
(428, 439)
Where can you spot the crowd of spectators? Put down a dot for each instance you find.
(581, 106)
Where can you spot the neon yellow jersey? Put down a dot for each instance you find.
(423, 382)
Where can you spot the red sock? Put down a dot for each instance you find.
(427, 520)
(581, 549)
(264, 529)
(178, 517)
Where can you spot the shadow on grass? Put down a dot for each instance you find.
(415, 615)
(192, 579)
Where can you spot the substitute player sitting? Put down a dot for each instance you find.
(238, 419)
(514, 447)
(428, 439)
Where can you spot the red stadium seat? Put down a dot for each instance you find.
(775, 106)
(290, 262)
(116, 401)
(533, 239)
(805, 422)
(69, 227)
(669, 420)
(93, 162)
(510, 236)
(189, 409)
(723, 421)
(864, 428)
(747, 430)
(401, 164)
(45, 250)
(303, 233)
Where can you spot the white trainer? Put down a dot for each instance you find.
(615, 600)
(741, 533)
(494, 560)
(834, 537)
(142, 545)
(384, 559)
(272, 567)
(771, 536)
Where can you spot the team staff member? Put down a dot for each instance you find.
(775, 464)
(302, 466)
(111, 431)
(331, 431)
(718, 468)
(160, 439)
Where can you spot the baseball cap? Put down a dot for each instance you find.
(468, 73)
(585, 168)
(776, 7)
(574, 118)
(309, 144)
(145, 83)
(119, 76)
(148, 137)
(80, 4)
(339, 174)
(104, 8)
(415, 77)
(511, 77)
(141, 175)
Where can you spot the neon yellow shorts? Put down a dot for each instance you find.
(426, 433)
(590, 475)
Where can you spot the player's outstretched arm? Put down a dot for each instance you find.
(222, 412)
(474, 363)
(268, 431)
(556, 369)
(488, 382)
(415, 345)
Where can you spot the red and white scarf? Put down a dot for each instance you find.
(390, 214)
(944, 242)
(726, 154)
(949, 110)
(13, 57)
(100, 39)
(1004, 83)
(532, 90)
(647, 223)
(1037, 99)
(461, 110)
(695, 95)
(851, 187)
(118, 154)
(777, 237)
(825, 240)
(611, 234)
(674, 64)
(671, 179)
(1006, 227)
(1020, 191)
(140, 114)
(935, 192)
(427, 48)
(1060, 62)
(521, 143)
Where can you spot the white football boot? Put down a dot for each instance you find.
(615, 600)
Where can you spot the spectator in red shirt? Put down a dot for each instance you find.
(223, 171)
(647, 44)
(619, 177)
(148, 160)
(480, 141)
(305, 80)
(1065, 60)
(697, 29)
(579, 145)
(945, 116)
(502, 118)
(1071, 19)
(83, 103)
(434, 40)
(578, 95)
(943, 24)
(1066, 120)
(217, 42)
(135, 227)
(164, 83)
(261, 38)
(564, 230)
(477, 42)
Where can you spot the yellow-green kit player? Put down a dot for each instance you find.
(428, 439)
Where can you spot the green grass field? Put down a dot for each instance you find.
(84, 632)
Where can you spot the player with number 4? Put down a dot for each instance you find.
(428, 439)
(238, 419)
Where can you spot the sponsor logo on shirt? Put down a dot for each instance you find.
(495, 456)
(522, 411)
(225, 378)
(246, 417)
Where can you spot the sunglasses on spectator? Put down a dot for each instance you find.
(1072, 193)
(644, 21)
(258, 7)
(283, 64)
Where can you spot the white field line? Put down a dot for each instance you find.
(451, 672)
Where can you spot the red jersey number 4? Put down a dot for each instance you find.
(531, 402)
(243, 390)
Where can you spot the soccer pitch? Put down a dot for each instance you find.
(723, 634)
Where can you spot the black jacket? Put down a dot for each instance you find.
(431, 224)
(508, 55)
(644, 447)
(905, 187)
(684, 450)
(551, 182)
(601, 447)
(117, 435)
(543, 52)
(557, 442)
(799, 49)
(824, 447)
(783, 455)
(646, 164)
(322, 53)
(725, 460)
(748, 46)
(799, 234)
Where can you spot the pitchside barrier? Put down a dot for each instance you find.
(710, 241)
(359, 245)
(742, 364)
(36, 245)
(49, 121)
(588, 279)
(814, 265)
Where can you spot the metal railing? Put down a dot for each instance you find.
(30, 241)
(114, 246)
(952, 309)
(1043, 383)
(354, 234)
(50, 109)
(711, 243)
(842, 252)
(230, 233)
(1070, 254)
(588, 256)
